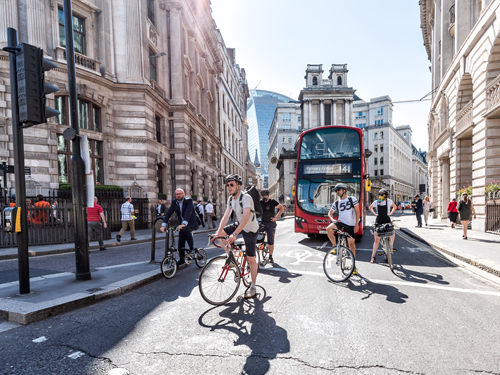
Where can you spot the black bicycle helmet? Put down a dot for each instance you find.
(234, 177)
(340, 186)
(264, 192)
(383, 192)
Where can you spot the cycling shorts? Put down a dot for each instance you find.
(346, 228)
(249, 238)
(270, 229)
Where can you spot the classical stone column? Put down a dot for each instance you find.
(134, 42)
(8, 18)
(192, 75)
(334, 111)
(321, 113)
(349, 102)
(309, 114)
(346, 111)
(176, 52)
(445, 185)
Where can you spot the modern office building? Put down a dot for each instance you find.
(261, 107)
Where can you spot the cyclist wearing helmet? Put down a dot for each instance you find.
(382, 206)
(348, 218)
(242, 205)
(269, 219)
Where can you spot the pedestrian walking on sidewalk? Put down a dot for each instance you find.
(128, 217)
(427, 205)
(210, 214)
(94, 216)
(466, 209)
(200, 211)
(452, 212)
(417, 205)
(161, 208)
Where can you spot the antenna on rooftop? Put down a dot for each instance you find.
(257, 85)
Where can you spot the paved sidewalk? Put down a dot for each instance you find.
(58, 293)
(480, 249)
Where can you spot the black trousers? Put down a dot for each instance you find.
(201, 218)
(185, 235)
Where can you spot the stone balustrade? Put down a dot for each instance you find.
(493, 96)
(81, 61)
(464, 118)
(157, 88)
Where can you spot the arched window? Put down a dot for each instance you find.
(315, 81)
(339, 81)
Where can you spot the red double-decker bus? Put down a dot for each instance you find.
(327, 156)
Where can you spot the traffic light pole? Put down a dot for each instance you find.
(17, 132)
(77, 164)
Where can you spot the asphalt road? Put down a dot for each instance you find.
(430, 317)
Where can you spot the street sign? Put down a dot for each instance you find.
(10, 169)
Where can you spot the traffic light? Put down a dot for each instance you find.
(31, 85)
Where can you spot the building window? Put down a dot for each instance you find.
(78, 32)
(315, 81)
(192, 137)
(381, 160)
(375, 148)
(339, 81)
(159, 178)
(89, 115)
(381, 135)
(376, 172)
(287, 127)
(64, 151)
(287, 117)
(380, 111)
(375, 161)
(158, 129)
(381, 172)
(171, 133)
(381, 148)
(151, 11)
(298, 118)
(374, 135)
(284, 139)
(289, 139)
(328, 114)
(379, 122)
(152, 65)
(360, 115)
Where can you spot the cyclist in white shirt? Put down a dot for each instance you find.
(348, 218)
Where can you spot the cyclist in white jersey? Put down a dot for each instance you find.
(348, 218)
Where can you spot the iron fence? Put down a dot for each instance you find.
(493, 216)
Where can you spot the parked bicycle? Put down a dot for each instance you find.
(339, 262)
(169, 264)
(220, 279)
(385, 232)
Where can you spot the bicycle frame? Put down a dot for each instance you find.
(241, 264)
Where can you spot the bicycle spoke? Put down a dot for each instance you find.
(218, 282)
(339, 266)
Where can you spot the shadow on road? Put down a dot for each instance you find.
(368, 288)
(418, 277)
(284, 277)
(254, 328)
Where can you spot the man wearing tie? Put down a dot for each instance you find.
(189, 221)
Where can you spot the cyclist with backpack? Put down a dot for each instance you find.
(385, 208)
(242, 204)
(348, 218)
(269, 219)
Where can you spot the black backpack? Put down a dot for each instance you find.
(255, 195)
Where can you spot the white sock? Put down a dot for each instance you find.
(252, 285)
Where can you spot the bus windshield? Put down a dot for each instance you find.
(330, 143)
(316, 196)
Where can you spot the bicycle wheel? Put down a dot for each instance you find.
(200, 257)
(219, 282)
(388, 252)
(169, 267)
(264, 256)
(339, 267)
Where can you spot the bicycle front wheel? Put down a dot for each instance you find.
(219, 281)
(200, 257)
(388, 251)
(169, 267)
(339, 264)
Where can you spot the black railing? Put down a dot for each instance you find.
(493, 216)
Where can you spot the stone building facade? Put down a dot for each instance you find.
(283, 134)
(462, 41)
(150, 74)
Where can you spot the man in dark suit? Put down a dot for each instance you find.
(417, 205)
(161, 208)
(184, 208)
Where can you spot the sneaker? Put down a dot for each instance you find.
(334, 252)
(102, 249)
(133, 239)
(118, 238)
(271, 260)
(355, 272)
(251, 292)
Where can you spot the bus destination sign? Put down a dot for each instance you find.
(328, 169)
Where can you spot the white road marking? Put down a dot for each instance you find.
(40, 339)
(76, 355)
(401, 283)
(326, 243)
(371, 231)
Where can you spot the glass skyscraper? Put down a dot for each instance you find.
(260, 113)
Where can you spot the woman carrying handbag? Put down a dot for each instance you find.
(466, 209)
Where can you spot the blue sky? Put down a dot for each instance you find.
(380, 40)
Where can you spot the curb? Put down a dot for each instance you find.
(453, 254)
(27, 313)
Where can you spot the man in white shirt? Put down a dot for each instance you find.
(348, 218)
(210, 213)
(248, 225)
(200, 212)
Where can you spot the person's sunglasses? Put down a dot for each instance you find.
(231, 184)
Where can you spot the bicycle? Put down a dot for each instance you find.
(385, 232)
(339, 262)
(262, 251)
(220, 279)
(169, 264)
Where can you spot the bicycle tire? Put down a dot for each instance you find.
(264, 257)
(217, 290)
(388, 252)
(168, 267)
(339, 267)
(200, 262)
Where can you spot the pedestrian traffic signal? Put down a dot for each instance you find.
(368, 185)
(31, 86)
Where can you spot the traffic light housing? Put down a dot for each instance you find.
(31, 86)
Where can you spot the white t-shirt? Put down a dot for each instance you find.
(385, 202)
(347, 213)
(209, 208)
(247, 201)
(200, 207)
